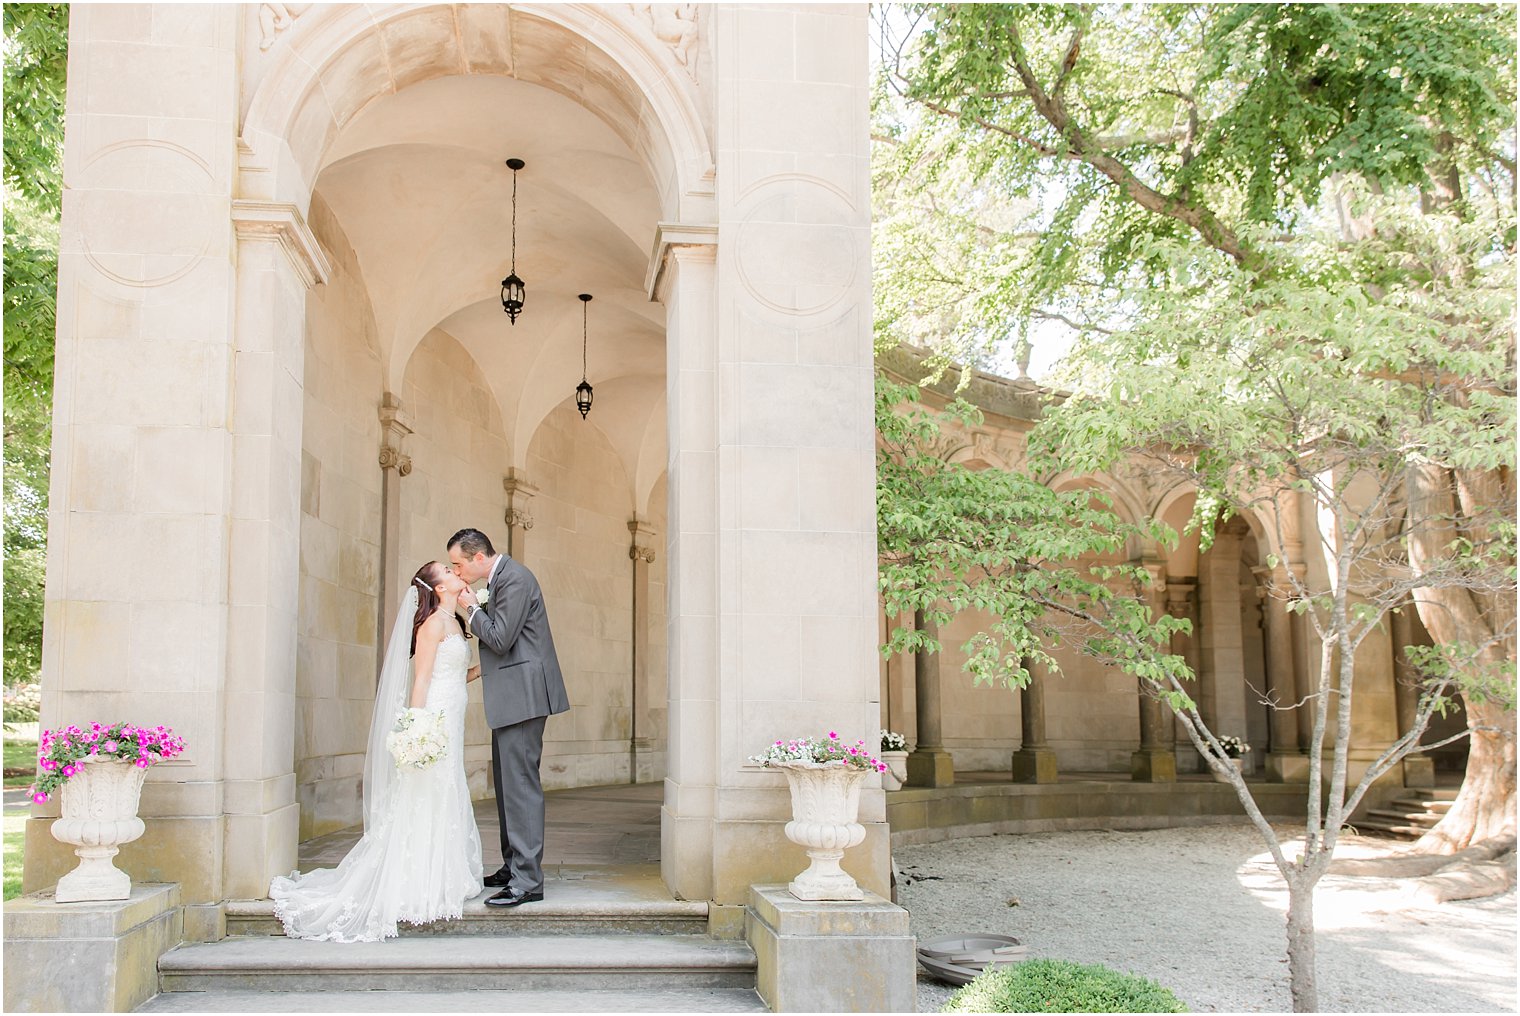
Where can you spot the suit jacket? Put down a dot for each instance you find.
(520, 675)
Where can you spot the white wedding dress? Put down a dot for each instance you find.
(419, 859)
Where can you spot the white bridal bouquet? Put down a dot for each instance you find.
(418, 739)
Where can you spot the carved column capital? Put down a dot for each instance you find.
(394, 428)
(519, 515)
(1180, 598)
(516, 484)
(392, 458)
(642, 548)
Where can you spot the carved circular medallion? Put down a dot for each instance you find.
(796, 251)
(146, 211)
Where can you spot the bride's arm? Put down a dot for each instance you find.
(428, 637)
(472, 674)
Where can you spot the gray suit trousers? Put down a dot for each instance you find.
(515, 755)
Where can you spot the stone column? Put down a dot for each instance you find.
(176, 472)
(687, 284)
(519, 514)
(1156, 761)
(278, 259)
(1034, 762)
(1286, 763)
(1419, 768)
(770, 375)
(1305, 673)
(930, 765)
(1181, 601)
(640, 556)
(394, 464)
(1221, 684)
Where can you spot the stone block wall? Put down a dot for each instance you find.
(340, 533)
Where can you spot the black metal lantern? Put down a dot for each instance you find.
(513, 292)
(583, 390)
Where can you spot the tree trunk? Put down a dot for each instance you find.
(1485, 807)
(1302, 982)
(1486, 804)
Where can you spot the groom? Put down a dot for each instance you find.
(522, 687)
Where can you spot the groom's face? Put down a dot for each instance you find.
(471, 569)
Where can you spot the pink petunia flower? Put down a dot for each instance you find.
(141, 763)
(39, 797)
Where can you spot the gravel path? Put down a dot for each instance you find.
(1201, 911)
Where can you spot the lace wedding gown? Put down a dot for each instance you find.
(420, 859)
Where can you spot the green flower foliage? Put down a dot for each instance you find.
(1062, 986)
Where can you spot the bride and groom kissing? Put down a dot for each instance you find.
(419, 859)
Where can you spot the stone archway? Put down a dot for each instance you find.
(417, 152)
(179, 409)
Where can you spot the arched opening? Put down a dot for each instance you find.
(410, 199)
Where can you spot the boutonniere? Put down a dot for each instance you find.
(483, 597)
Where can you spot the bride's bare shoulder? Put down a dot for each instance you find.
(434, 627)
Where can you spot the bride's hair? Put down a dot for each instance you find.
(428, 576)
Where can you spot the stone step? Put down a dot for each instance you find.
(1397, 831)
(1427, 794)
(560, 914)
(1423, 819)
(432, 963)
(1421, 804)
(583, 1000)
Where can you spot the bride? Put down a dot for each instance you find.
(419, 859)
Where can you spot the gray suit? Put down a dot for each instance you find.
(522, 687)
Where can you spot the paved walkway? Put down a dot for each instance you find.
(584, 827)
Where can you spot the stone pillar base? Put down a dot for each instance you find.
(1153, 765)
(931, 767)
(1419, 771)
(1035, 765)
(831, 957)
(89, 957)
(1286, 767)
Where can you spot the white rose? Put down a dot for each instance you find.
(483, 597)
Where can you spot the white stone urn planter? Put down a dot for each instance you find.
(99, 814)
(825, 804)
(1219, 777)
(897, 770)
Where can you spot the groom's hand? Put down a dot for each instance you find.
(467, 598)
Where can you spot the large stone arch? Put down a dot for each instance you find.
(337, 58)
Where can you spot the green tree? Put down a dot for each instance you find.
(1284, 236)
(36, 56)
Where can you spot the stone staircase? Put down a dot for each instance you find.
(585, 951)
(1408, 817)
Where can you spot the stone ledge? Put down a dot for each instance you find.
(921, 815)
(36, 915)
(89, 957)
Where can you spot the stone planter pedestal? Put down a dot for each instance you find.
(825, 805)
(99, 814)
(830, 957)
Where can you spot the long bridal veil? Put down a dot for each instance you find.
(390, 698)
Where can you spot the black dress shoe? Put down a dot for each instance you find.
(498, 879)
(512, 898)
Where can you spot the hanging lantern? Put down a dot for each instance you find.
(583, 390)
(513, 292)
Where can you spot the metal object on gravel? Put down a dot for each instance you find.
(958, 959)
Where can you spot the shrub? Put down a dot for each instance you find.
(22, 703)
(1061, 986)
